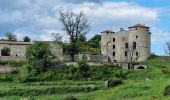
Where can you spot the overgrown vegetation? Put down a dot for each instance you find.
(87, 82)
(167, 91)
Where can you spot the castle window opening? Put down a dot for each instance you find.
(113, 46)
(114, 39)
(134, 45)
(5, 51)
(113, 53)
(137, 54)
(125, 53)
(126, 45)
(136, 36)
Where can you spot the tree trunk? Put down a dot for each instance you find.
(73, 49)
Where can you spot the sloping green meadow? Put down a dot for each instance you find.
(147, 84)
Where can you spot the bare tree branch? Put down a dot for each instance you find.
(75, 24)
(131, 57)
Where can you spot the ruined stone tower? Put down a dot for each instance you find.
(119, 45)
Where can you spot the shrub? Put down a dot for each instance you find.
(167, 91)
(121, 74)
(106, 72)
(166, 70)
(69, 98)
(114, 82)
(83, 70)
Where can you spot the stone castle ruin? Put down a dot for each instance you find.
(115, 47)
(119, 46)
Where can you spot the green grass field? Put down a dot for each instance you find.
(147, 84)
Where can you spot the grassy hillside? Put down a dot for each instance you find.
(147, 84)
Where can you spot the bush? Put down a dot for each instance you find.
(167, 91)
(114, 82)
(83, 71)
(69, 98)
(166, 70)
(106, 72)
(121, 73)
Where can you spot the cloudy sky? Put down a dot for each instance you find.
(38, 18)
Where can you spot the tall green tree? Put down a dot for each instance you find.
(10, 36)
(26, 39)
(94, 42)
(75, 24)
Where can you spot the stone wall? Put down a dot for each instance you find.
(87, 57)
(57, 50)
(12, 58)
(18, 50)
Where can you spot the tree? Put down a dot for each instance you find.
(39, 55)
(75, 24)
(10, 37)
(26, 39)
(94, 42)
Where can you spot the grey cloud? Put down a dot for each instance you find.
(81, 1)
(38, 17)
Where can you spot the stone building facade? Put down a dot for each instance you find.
(119, 46)
(17, 50)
